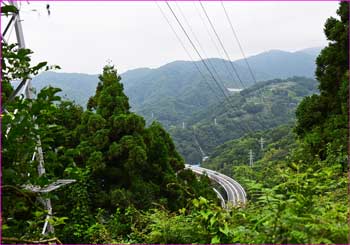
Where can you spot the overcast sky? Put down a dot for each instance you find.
(82, 36)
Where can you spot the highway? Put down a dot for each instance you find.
(234, 191)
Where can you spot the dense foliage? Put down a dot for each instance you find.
(300, 200)
(131, 186)
(297, 190)
(322, 119)
(279, 141)
(116, 161)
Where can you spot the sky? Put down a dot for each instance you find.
(84, 36)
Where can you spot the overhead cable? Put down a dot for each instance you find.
(215, 45)
(239, 43)
(187, 52)
(198, 42)
(195, 48)
(222, 46)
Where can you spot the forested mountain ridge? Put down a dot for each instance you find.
(175, 91)
(296, 190)
(265, 105)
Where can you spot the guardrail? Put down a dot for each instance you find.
(236, 195)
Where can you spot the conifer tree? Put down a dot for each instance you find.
(322, 119)
(129, 163)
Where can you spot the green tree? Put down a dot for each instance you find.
(125, 157)
(321, 119)
(24, 122)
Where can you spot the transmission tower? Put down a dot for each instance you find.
(38, 153)
(251, 158)
(261, 143)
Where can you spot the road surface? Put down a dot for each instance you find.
(234, 191)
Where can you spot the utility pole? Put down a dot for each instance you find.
(261, 143)
(250, 158)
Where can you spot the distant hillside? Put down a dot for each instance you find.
(282, 64)
(311, 51)
(75, 86)
(236, 152)
(260, 107)
(174, 92)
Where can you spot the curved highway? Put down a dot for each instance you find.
(234, 191)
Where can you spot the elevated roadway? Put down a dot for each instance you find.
(235, 193)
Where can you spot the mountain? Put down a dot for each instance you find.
(282, 64)
(78, 87)
(263, 106)
(315, 51)
(173, 92)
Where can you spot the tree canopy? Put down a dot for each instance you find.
(116, 161)
(131, 185)
(322, 119)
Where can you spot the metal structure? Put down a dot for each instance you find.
(261, 143)
(38, 154)
(48, 188)
(250, 158)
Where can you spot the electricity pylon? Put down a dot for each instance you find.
(38, 153)
(250, 158)
(261, 143)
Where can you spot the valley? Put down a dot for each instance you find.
(175, 95)
(177, 151)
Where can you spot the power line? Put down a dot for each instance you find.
(246, 126)
(222, 45)
(198, 42)
(239, 43)
(233, 68)
(241, 48)
(187, 52)
(173, 30)
(195, 48)
(245, 59)
(212, 40)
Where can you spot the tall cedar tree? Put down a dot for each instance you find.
(322, 119)
(130, 164)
